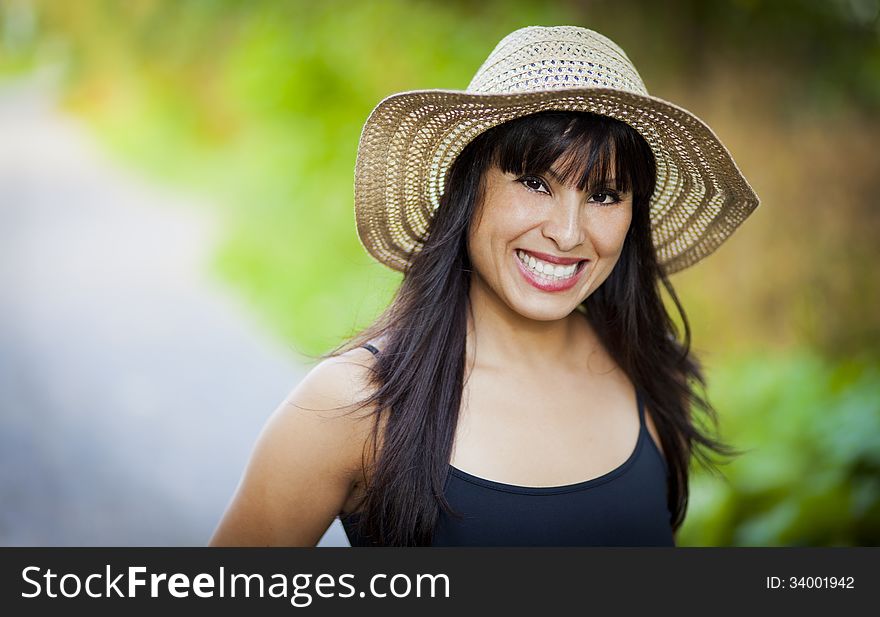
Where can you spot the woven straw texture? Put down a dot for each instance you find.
(412, 138)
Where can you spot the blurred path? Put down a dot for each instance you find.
(132, 385)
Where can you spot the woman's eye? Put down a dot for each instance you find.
(534, 184)
(606, 199)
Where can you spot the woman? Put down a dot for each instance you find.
(527, 385)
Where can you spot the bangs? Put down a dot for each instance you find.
(579, 149)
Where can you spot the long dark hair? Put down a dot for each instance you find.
(418, 375)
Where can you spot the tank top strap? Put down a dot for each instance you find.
(640, 403)
(372, 349)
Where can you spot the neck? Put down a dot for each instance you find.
(498, 336)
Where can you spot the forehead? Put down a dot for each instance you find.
(580, 167)
(574, 166)
(584, 159)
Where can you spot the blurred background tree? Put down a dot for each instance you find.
(260, 104)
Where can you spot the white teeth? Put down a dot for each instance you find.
(545, 269)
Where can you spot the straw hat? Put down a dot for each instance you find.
(412, 138)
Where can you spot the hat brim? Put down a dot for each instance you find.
(410, 140)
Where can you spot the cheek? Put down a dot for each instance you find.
(609, 237)
(517, 219)
(499, 228)
(478, 245)
(483, 245)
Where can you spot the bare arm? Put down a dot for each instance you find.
(305, 461)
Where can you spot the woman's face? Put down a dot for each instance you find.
(543, 247)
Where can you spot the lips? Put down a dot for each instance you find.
(545, 284)
(553, 259)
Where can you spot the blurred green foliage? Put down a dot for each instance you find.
(810, 472)
(260, 105)
(274, 95)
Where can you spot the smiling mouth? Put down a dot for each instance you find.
(546, 271)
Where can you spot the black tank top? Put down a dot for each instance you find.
(624, 507)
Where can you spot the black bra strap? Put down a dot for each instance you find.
(641, 405)
(372, 349)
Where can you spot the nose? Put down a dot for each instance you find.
(564, 224)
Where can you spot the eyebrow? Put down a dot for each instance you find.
(558, 179)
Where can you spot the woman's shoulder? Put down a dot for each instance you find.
(307, 459)
(337, 384)
(324, 414)
(336, 388)
(326, 409)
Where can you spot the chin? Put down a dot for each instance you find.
(547, 312)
